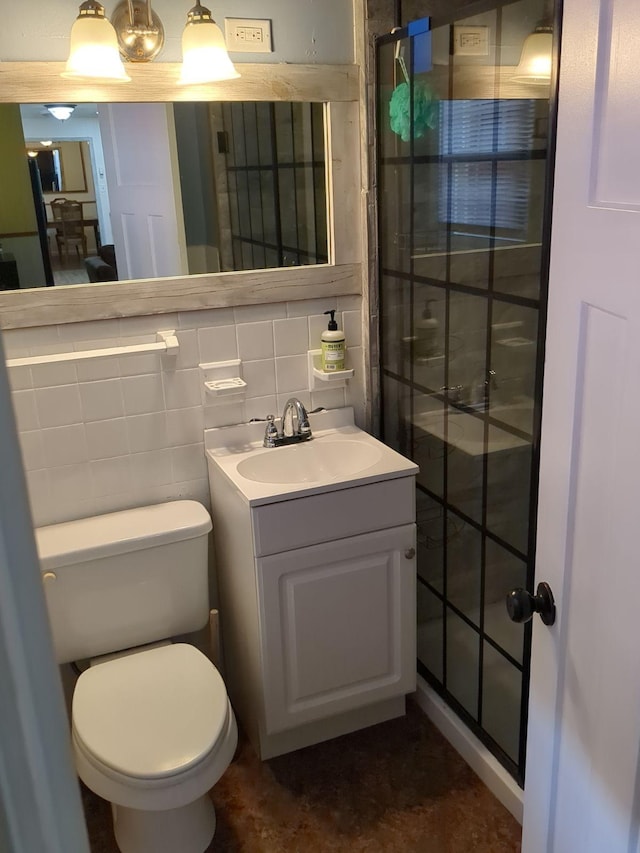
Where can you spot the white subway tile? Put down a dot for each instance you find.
(110, 476)
(98, 368)
(37, 338)
(147, 325)
(291, 336)
(150, 469)
(66, 445)
(137, 365)
(32, 451)
(101, 400)
(143, 394)
(205, 318)
(106, 439)
(260, 407)
(349, 303)
(217, 416)
(58, 406)
(182, 388)
(47, 375)
(185, 426)
(195, 490)
(331, 399)
(305, 307)
(352, 325)
(292, 373)
(303, 396)
(188, 354)
(14, 343)
(71, 488)
(92, 330)
(147, 432)
(120, 501)
(189, 462)
(25, 410)
(260, 377)
(255, 313)
(43, 508)
(255, 340)
(217, 343)
(20, 378)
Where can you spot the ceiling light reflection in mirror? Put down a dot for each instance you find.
(182, 189)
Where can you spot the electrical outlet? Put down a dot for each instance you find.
(471, 41)
(248, 35)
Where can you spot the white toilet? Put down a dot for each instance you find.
(152, 726)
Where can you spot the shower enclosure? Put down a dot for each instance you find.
(464, 159)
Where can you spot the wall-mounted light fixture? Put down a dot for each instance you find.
(136, 33)
(204, 52)
(535, 60)
(138, 29)
(93, 50)
(60, 111)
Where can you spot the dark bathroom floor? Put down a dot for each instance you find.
(398, 786)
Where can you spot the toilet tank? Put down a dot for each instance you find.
(124, 579)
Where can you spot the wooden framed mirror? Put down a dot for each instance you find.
(334, 86)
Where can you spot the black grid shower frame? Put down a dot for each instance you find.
(516, 769)
(275, 168)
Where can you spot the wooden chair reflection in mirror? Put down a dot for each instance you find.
(68, 220)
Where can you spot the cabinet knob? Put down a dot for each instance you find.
(410, 553)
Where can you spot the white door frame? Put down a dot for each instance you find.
(40, 808)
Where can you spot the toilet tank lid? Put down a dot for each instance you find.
(120, 533)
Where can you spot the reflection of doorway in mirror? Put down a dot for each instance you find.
(248, 189)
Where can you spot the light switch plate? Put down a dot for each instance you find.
(471, 41)
(248, 35)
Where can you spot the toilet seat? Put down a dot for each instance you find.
(150, 716)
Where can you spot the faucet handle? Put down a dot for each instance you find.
(270, 432)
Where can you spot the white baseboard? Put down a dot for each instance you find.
(475, 753)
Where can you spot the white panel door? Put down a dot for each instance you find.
(142, 176)
(338, 626)
(582, 791)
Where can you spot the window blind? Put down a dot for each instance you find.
(494, 131)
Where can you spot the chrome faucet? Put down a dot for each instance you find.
(476, 397)
(295, 425)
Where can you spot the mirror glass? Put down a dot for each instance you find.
(61, 165)
(144, 191)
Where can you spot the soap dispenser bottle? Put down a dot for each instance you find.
(426, 332)
(332, 346)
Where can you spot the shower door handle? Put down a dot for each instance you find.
(521, 605)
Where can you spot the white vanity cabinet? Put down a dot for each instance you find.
(317, 595)
(337, 626)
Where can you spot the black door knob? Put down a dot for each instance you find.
(521, 605)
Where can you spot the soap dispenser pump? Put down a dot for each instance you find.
(333, 346)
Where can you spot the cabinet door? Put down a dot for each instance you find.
(338, 625)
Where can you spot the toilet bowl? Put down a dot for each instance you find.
(152, 727)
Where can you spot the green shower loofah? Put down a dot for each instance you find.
(425, 110)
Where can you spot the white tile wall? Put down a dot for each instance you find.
(121, 432)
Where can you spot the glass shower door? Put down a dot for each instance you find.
(463, 228)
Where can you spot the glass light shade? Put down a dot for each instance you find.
(94, 51)
(60, 111)
(535, 60)
(204, 54)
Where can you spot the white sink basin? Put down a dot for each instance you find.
(309, 462)
(338, 456)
